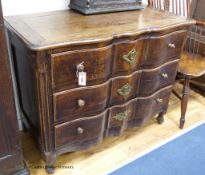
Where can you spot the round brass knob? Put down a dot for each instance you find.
(80, 130)
(80, 67)
(81, 103)
(159, 100)
(171, 45)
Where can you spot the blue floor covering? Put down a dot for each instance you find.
(185, 155)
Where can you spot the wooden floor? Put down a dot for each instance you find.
(113, 151)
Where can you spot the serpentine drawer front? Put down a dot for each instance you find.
(79, 131)
(128, 56)
(160, 50)
(82, 102)
(83, 78)
(155, 79)
(65, 67)
(135, 112)
(124, 88)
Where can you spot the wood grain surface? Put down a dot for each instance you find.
(61, 28)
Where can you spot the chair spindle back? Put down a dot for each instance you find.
(178, 7)
(195, 42)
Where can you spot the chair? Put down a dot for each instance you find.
(197, 13)
(178, 7)
(192, 60)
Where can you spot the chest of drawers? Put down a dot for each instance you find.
(130, 59)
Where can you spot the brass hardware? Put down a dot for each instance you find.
(81, 103)
(159, 100)
(171, 45)
(164, 75)
(79, 68)
(125, 90)
(80, 130)
(121, 116)
(130, 57)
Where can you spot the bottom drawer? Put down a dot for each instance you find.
(80, 131)
(137, 111)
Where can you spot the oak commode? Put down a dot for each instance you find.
(83, 78)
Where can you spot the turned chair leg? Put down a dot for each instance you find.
(184, 101)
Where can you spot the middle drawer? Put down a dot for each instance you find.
(85, 101)
(81, 102)
(155, 79)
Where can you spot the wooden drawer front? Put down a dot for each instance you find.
(161, 49)
(128, 57)
(150, 106)
(119, 117)
(80, 102)
(124, 88)
(97, 64)
(137, 111)
(153, 80)
(80, 131)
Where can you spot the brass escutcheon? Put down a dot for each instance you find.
(121, 116)
(130, 57)
(125, 90)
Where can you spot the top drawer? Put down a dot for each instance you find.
(96, 62)
(128, 56)
(120, 59)
(159, 50)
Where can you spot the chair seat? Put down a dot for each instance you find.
(191, 64)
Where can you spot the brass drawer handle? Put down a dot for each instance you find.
(121, 116)
(164, 75)
(159, 100)
(130, 57)
(81, 103)
(171, 45)
(80, 130)
(81, 74)
(80, 67)
(125, 90)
